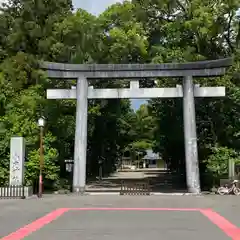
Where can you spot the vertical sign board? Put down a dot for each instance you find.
(231, 168)
(17, 159)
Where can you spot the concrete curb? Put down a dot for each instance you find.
(151, 194)
(117, 193)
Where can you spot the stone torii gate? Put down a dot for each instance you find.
(134, 72)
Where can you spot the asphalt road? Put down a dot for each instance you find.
(153, 217)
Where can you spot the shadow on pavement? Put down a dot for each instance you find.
(159, 181)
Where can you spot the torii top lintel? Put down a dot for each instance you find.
(199, 69)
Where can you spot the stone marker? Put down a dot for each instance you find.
(231, 168)
(17, 159)
(16, 188)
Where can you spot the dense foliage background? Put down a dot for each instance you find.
(140, 31)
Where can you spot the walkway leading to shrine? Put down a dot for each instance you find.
(159, 179)
(113, 217)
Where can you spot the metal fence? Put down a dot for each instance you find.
(12, 192)
(135, 188)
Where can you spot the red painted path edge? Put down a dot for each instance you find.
(36, 225)
(227, 227)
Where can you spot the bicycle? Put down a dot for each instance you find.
(226, 189)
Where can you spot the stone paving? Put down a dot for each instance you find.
(75, 222)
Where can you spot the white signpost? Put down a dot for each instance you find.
(16, 188)
(17, 160)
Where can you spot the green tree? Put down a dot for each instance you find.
(24, 39)
(29, 25)
(51, 168)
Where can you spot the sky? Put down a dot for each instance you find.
(94, 6)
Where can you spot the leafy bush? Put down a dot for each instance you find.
(217, 162)
(51, 170)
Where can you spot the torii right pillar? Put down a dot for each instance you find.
(190, 133)
(190, 136)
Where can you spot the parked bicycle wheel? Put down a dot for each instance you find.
(222, 191)
(236, 191)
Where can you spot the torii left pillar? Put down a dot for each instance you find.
(80, 150)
